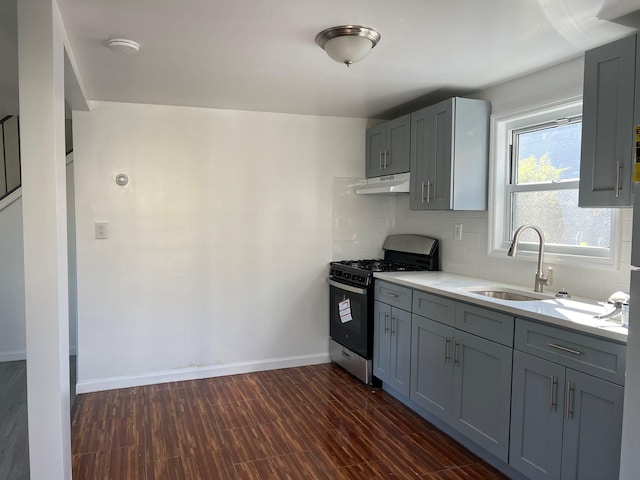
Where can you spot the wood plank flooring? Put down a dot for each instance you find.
(14, 435)
(301, 423)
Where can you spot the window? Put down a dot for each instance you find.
(536, 179)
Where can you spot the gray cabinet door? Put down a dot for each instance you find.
(607, 125)
(381, 340)
(398, 150)
(440, 155)
(375, 147)
(419, 137)
(388, 147)
(432, 366)
(400, 364)
(592, 428)
(537, 408)
(431, 157)
(482, 392)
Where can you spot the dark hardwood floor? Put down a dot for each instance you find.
(14, 435)
(301, 423)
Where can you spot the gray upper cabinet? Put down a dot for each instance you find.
(610, 88)
(449, 155)
(388, 147)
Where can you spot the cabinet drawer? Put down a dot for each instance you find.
(485, 323)
(433, 307)
(393, 294)
(584, 353)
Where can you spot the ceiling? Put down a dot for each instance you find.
(261, 55)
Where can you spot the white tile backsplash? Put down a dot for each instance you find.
(360, 222)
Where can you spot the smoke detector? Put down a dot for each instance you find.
(122, 45)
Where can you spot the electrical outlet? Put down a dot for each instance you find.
(457, 232)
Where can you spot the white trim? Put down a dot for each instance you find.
(502, 126)
(12, 356)
(9, 199)
(199, 373)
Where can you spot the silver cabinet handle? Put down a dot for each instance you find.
(564, 349)
(345, 354)
(553, 394)
(456, 353)
(618, 169)
(428, 191)
(392, 295)
(422, 193)
(386, 158)
(447, 345)
(571, 388)
(392, 320)
(386, 322)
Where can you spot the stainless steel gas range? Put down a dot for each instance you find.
(351, 297)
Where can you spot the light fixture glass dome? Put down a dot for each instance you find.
(348, 43)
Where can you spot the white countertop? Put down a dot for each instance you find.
(574, 313)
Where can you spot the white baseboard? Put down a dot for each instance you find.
(12, 356)
(199, 373)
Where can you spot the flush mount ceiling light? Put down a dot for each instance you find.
(348, 43)
(122, 45)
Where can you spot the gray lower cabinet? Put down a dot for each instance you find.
(392, 346)
(482, 392)
(565, 424)
(593, 430)
(537, 414)
(463, 379)
(432, 366)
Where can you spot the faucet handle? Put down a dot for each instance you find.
(549, 279)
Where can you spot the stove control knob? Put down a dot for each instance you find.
(347, 275)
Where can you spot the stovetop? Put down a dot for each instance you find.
(360, 272)
(377, 265)
(402, 253)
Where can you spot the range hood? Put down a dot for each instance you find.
(385, 185)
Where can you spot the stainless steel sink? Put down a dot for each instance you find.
(503, 293)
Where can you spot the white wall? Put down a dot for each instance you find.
(12, 320)
(469, 256)
(218, 247)
(12, 326)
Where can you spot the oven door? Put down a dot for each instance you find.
(350, 322)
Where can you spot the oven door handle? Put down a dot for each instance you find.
(348, 288)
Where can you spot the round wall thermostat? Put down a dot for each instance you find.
(122, 179)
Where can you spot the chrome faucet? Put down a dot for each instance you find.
(541, 280)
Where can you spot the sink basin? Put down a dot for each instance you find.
(502, 295)
(506, 294)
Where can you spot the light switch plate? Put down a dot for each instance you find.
(102, 230)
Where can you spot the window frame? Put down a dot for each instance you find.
(502, 128)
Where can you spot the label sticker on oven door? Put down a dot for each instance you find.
(344, 308)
